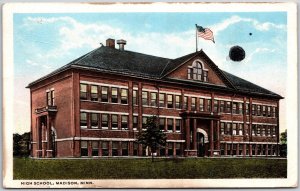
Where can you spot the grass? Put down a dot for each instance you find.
(143, 168)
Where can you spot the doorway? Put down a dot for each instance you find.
(200, 144)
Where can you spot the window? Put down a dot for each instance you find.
(253, 150)
(259, 110)
(83, 120)
(145, 98)
(177, 102)
(124, 148)
(240, 108)
(177, 147)
(170, 124)
(246, 130)
(201, 105)
(104, 121)
(84, 148)
(170, 149)
(205, 78)
(222, 148)
(144, 123)
(94, 120)
(234, 129)
(253, 129)
(95, 148)
(272, 111)
(274, 131)
(153, 100)
(193, 104)
(259, 149)
(162, 124)
(162, 100)
(178, 125)
(170, 101)
(196, 72)
(104, 94)
(135, 100)
(228, 107)
(269, 111)
(253, 109)
(114, 121)
(216, 106)
(234, 147)
(124, 122)
(264, 112)
(222, 106)
(115, 148)
(258, 128)
(247, 109)
(263, 131)
(124, 96)
(240, 149)
(268, 132)
(234, 108)
(228, 129)
(209, 105)
(240, 128)
(105, 151)
(50, 98)
(135, 123)
(228, 149)
(135, 149)
(222, 128)
(83, 91)
(185, 102)
(114, 95)
(94, 93)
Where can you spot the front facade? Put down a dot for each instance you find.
(95, 106)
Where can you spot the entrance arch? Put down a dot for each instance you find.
(201, 140)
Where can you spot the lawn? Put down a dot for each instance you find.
(143, 168)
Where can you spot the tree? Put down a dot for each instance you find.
(283, 144)
(152, 137)
(21, 144)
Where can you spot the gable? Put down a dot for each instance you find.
(198, 69)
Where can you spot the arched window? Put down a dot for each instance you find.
(197, 72)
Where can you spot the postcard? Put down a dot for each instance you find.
(150, 95)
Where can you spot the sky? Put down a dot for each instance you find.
(45, 42)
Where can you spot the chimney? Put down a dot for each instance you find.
(110, 43)
(121, 44)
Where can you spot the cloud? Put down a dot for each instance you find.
(257, 51)
(265, 26)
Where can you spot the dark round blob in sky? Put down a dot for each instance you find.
(250, 34)
(237, 53)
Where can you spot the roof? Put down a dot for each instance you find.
(122, 62)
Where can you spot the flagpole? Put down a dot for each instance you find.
(196, 39)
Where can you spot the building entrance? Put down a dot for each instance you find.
(200, 144)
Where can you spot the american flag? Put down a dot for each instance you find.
(205, 33)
